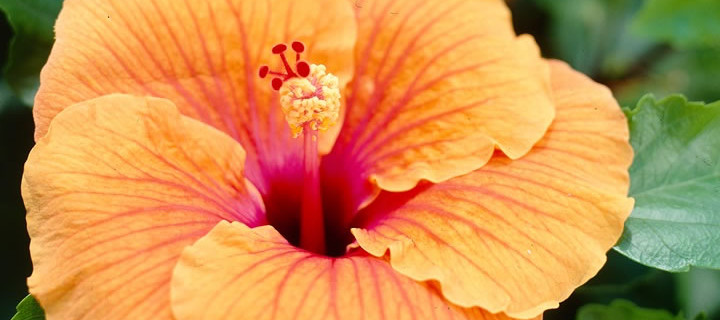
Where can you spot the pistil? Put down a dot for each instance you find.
(312, 227)
(310, 100)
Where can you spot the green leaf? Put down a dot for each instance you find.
(701, 316)
(680, 22)
(29, 309)
(591, 35)
(8, 99)
(623, 310)
(32, 22)
(692, 72)
(699, 291)
(675, 180)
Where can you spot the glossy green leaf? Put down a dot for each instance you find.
(32, 22)
(675, 180)
(29, 309)
(623, 310)
(681, 22)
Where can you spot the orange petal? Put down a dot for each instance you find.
(240, 273)
(202, 55)
(114, 192)
(517, 236)
(438, 85)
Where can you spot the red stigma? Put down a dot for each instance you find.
(298, 46)
(279, 48)
(276, 83)
(302, 68)
(263, 71)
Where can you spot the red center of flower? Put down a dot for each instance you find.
(310, 100)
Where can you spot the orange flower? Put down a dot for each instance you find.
(466, 177)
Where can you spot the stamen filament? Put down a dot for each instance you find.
(275, 73)
(288, 69)
(312, 227)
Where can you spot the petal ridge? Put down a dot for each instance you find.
(526, 235)
(114, 191)
(438, 87)
(254, 273)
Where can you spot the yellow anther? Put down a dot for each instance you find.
(313, 100)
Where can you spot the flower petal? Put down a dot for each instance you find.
(202, 55)
(517, 236)
(240, 273)
(438, 85)
(114, 192)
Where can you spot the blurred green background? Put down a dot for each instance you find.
(633, 46)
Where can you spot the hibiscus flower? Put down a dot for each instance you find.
(278, 159)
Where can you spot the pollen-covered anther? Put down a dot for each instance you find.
(312, 101)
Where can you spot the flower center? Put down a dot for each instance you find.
(310, 100)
